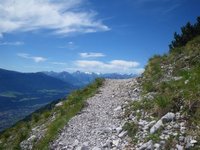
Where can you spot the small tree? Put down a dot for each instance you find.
(188, 32)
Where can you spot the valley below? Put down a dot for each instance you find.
(19, 106)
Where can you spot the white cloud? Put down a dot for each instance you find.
(17, 43)
(114, 66)
(62, 17)
(91, 55)
(123, 63)
(58, 63)
(36, 59)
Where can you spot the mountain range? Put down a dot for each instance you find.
(23, 93)
(80, 79)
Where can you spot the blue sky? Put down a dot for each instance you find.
(88, 35)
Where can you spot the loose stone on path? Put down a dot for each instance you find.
(99, 126)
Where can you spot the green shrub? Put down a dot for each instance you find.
(162, 104)
(131, 128)
(162, 101)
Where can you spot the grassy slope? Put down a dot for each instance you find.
(171, 92)
(11, 138)
(174, 80)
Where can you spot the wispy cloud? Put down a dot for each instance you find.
(61, 17)
(91, 55)
(160, 6)
(36, 59)
(58, 63)
(171, 8)
(17, 43)
(119, 66)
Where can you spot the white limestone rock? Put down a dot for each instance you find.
(118, 108)
(116, 142)
(156, 126)
(59, 104)
(157, 146)
(168, 117)
(118, 129)
(193, 141)
(122, 134)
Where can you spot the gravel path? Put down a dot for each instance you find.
(99, 125)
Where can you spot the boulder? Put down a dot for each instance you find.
(156, 126)
(168, 117)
